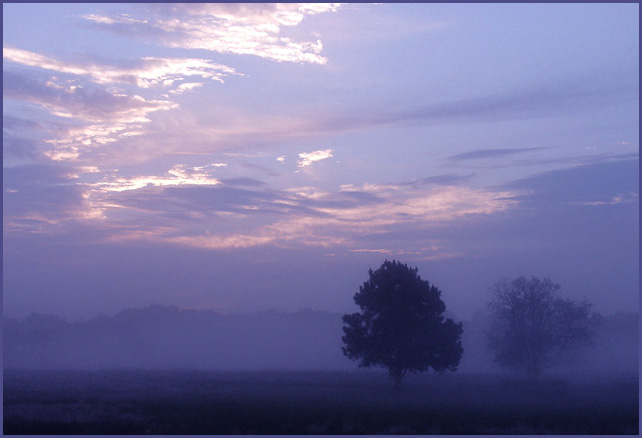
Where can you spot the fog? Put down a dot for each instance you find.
(161, 370)
(164, 337)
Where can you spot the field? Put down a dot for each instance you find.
(271, 402)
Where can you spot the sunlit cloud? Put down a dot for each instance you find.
(88, 117)
(178, 175)
(310, 217)
(307, 158)
(92, 116)
(376, 251)
(186, 87)
(80, 170)
(144, 73)
(309, 192)
(244, 29)
(368, 187)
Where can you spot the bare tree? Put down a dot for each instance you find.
(531, 326)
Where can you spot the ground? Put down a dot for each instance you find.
(272, 402)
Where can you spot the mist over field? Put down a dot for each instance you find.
(165, 371)
(157, 337)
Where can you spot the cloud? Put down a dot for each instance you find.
(440, 180)
(91, 115)
(244, 29)
(41, 199)
(190, 207)
(229, 218)
(178, 175)
(16, 148)
(492, 153)
(87, 118)
(185, 87)
(593, 183)
(545, 100)
(69, 100)
(242, 181)
(307, 158)
(144, 73)
(553, 99)
(341, 226)
(631, 198)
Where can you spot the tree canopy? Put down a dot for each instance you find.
(401, 326)
(531, 326)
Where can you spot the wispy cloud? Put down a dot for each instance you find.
(245, 29)
(438, 180)
(243, 181)
(492, 153)
(623, 198)
(41, 199)
(545, 100)
(237, 128)
(91, 111)
(603, 182)
(178, 175)
(89, 117)
(307, 158)
(309, 216)
(144, 73)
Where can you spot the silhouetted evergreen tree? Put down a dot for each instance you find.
(400, 326)
(531, 326)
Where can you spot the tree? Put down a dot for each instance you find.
(400, 326)
(531, 326)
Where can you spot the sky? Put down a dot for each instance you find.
(248, 157)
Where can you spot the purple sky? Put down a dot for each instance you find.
(256, 156)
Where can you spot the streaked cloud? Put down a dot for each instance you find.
(144, 73)
(307, 216)
(87, 117)
(307, 158)
(492, 153)
(178, 175)
(243, 181)
(608, 180)
(555, 98)
(91, 113)
(186, 87)
(41, 199)
(69, 100)
(623, 198)
(243, 29)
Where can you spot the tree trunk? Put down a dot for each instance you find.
(397, 375)
(533, 369)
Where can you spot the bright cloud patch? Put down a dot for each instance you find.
(307, 158)
(178, 175)
(245, 29)
(92, 114)
(89, 117)
(144, 73)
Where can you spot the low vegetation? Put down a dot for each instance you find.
(364, 402)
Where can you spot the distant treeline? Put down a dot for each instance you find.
(166, 337)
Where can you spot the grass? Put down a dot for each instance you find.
(270, 402)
